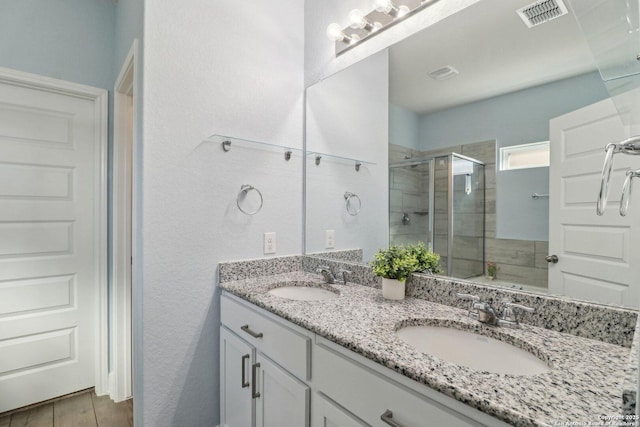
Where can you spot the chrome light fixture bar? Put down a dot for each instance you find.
(385, 14)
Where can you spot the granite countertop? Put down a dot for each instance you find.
(584, 384)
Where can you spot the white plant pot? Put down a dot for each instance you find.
(392, 289)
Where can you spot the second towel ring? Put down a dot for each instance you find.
(244, 190)
(626, 191)
(350, 198)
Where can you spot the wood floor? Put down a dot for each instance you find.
(80, 410)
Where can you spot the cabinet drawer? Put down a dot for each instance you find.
(368, 395)
(287, 347)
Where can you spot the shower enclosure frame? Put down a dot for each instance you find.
(450, 200)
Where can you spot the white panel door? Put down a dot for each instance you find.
(48, 175)
(597, 259)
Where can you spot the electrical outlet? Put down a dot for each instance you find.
(330, 239)
(269, 243)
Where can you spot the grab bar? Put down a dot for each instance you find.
(628, 146)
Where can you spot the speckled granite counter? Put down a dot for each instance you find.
(585, 382)
(630, 388)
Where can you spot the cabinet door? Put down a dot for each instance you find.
(283, 400)
(327, 413)
(236, 359)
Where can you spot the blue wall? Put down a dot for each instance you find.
(81, 41)
(404, 127)
(515, 118)
(65, 39)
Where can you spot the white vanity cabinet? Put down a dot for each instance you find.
(267, 380)
(264, 362)
(354, 391)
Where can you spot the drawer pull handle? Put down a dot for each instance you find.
(245, 383)
(387, 417)
(250, 332)
(254, 393)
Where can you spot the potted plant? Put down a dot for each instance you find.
(492, 270)
(397, 263)
(428, 261)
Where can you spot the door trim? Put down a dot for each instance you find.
(100, 99)
(124, 149)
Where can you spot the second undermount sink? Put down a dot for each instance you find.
(472, 350)
(304, 292)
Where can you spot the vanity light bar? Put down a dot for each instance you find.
(385, 14)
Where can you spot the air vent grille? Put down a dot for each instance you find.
(541, 12)
(443, 73)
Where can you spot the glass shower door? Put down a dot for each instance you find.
(466, 228)
(409, 203)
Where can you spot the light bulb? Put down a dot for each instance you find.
(356, 16)
(358, 20)
(384, 6)
(354, 38)
(402, 11)
(334, 32)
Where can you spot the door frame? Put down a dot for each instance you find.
(124, 156)
(100, 99)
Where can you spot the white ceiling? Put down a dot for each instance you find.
(494, 52)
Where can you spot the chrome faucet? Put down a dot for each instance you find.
(486, 313)
(326, 274)
(344, 273)
(473, 311)
(510, 315)
(483, 312)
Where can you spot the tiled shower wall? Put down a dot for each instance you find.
(408, 195)
(519, 261)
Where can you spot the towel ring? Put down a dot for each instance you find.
(348, 198)
(244, 190)
(626, 191)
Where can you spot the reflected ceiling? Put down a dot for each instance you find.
(512, 56)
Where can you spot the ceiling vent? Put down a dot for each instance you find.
(443, 73)
(541, 12)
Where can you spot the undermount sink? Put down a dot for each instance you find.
(472, 350)
(305, 292)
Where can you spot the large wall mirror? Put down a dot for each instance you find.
(443, 138)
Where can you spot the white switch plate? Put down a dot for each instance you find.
(330, 239)
(270, 243)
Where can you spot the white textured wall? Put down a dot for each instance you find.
(225, 67)
(347, 115)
